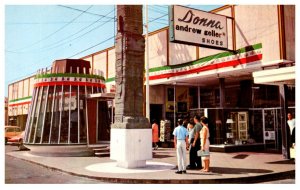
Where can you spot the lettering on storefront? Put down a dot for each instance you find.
(195, 27)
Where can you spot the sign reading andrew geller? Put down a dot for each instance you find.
(195, 27)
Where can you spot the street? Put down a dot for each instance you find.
(18, 171)
(21, 172)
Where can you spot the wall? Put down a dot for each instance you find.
(289, 21)
(157, 49)
(20, 92)
(100, 62)
(258, 24)
(111, 63)
(157, 94)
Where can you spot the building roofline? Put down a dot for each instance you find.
(152, 33)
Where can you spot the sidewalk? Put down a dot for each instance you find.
(238, 167)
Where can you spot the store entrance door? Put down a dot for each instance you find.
(103, 121)
(272, 131)
(92, 120)
(98, 121)
(156, 112)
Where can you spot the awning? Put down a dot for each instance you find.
(101, 96)
(283, 75)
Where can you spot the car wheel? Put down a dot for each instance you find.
(6, 140)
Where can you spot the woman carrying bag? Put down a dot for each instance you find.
(204, 135)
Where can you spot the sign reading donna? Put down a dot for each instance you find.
(194, 27)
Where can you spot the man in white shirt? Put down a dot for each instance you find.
(180, 142)
(292, 123)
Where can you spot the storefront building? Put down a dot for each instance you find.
(6, 111)
(228, 87)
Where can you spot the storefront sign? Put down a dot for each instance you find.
(195, 27)
(269, 135)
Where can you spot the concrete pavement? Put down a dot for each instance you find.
(238, 167)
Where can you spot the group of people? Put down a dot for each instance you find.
(194, 138)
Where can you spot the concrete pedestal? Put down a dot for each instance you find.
(131, 147)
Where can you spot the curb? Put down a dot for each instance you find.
(237, 180)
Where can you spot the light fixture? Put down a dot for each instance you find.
(229, 121)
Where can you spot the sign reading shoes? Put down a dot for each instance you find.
(195, 27)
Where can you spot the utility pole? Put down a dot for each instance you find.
(147, 66)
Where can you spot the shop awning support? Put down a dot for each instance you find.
(284, 131)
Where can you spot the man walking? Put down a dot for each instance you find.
(181, 142)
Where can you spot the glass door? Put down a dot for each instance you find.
(270, 128)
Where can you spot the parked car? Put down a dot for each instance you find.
(11, 131)
(18, 141)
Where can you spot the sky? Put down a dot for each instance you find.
(37, 35)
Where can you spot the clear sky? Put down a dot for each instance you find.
(36, 35)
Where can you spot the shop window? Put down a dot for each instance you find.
(291, 92)
(193, 97)
(48, 115)
(56, 115)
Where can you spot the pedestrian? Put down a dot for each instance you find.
(185, 122)
(190, 127)
(180, 143)
(195, 146)
(204, 135)
(154, 134)
(292, 123)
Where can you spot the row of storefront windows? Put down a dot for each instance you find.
(59, 113)
(259, 96)
(254, 112)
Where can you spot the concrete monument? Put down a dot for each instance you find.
(131, 134)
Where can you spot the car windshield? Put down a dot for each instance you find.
(10, 130)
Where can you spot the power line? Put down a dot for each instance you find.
(157, 10)
(153, 20)
(39, 61)
(158, 18)
(95, 14)
(55, 31)
(92, 46)
(44, 23)
(60, 42)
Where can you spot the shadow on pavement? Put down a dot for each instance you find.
(241, 156)
(222, 170)
(292, 161)
(161, 156)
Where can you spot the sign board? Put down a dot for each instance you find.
(195, 27)
(269, 135)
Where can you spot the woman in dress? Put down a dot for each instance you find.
(204, 135)
(154, 134)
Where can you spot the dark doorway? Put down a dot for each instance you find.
(156, 112)
(98, 121)
(92, 120)
(103, 121)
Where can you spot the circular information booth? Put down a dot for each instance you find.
(57, 121)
